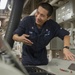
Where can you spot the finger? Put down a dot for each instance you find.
(70, 57)
(26, 35)
(28, 44)
(73, 55)
(28, 41)
(66, 58)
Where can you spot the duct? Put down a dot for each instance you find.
(9, 8)
(26, 3)
(14, 20)
(53, 2)
(71, 34)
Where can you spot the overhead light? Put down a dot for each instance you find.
(3, 4)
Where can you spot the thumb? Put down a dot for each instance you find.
(26, 35)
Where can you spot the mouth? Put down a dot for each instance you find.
(38, 21)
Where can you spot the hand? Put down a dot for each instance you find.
(24, 39)
(68, 54)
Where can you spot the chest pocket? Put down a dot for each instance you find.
(47, 37)
(47, 33)
(39, 40)
(31, 31)
(44, 39)
(32, 34)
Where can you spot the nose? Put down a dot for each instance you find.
(38, 16)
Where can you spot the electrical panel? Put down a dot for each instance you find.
(66, 12)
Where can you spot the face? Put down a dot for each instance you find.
(41, 16)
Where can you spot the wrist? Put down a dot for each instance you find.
(67, 47)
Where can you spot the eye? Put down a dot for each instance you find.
(38, 13)
(42, 15)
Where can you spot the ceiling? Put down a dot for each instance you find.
(29, 6)
(32, 4)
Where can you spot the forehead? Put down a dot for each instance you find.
(42, 10)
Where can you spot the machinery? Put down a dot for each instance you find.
(8, 70)
(10, 65)
(60, 67)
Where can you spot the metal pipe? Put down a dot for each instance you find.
(14, 20)
(26, 2)
(71, 34)
(53, 2)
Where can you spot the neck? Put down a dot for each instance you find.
(39, 26)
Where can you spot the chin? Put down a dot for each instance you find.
(37, 23)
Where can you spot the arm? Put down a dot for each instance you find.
(67, 40)
(22, 38)
(67, 53)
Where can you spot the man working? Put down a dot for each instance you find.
(36, 32)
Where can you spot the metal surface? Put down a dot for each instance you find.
(59, 67)
(66, 12)
(4, 46)
(14, 20)
(56, 44)
(53, 2)
(8, 70)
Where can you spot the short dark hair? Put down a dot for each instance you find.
(48, 7)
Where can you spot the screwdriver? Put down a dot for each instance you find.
(64, 70)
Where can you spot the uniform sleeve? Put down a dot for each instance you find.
(22, 27)
(59, 31)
